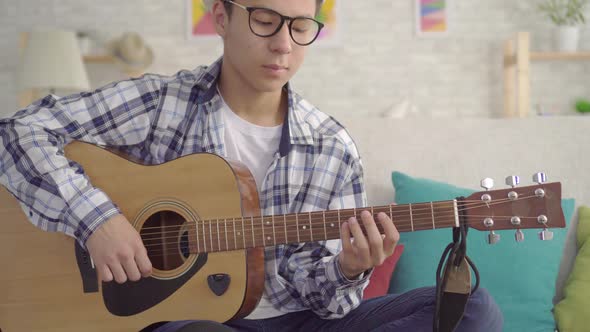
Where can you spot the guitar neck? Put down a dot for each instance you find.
(261, 231)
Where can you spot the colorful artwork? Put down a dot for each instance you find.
(432, 17)
(200, 20)
(327, 15)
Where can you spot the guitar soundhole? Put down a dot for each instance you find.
(166, 240)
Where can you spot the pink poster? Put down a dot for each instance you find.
(432, 17)
(200, 21)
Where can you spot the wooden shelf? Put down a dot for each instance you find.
(517, 60)
(560, 56)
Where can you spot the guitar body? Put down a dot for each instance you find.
(42, 279)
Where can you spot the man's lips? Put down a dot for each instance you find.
(275, 67)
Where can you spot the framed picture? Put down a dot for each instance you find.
(199, 21)
(329, 15)
(433, 18)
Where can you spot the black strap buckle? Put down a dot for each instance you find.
(453, 288)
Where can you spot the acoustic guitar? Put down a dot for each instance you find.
(199, 218)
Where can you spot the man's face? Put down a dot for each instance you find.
(264, 63)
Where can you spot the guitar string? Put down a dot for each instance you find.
(442, 221)
(216, 247)
(259, 220)
(257, 231)
(291, 233)
(415, 212)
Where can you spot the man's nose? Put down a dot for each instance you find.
(281, 42)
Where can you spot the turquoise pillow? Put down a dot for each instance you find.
(520, 276)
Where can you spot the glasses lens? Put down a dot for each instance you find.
(304, 30)
(264, 22)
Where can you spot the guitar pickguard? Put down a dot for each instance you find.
(131, 298)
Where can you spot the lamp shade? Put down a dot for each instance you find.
(52, 60)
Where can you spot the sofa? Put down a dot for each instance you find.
(422, 158)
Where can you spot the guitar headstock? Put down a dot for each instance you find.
(535, 206)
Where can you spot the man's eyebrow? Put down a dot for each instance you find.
(274, 10)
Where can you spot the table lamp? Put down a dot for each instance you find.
(52, 60)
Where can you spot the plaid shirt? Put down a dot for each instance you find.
(160, 118)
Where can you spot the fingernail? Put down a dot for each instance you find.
(352, 220)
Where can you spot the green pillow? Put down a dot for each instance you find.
(572, 312)
(520, 276)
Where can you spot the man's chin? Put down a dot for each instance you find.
(269, 87)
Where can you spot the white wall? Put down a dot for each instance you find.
(377, 63)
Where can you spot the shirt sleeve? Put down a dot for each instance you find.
(313, 268)
(53, 191)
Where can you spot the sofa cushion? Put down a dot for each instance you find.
(520, 276)
(572, 312)
(379, 280)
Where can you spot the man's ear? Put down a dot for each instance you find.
(220, 18)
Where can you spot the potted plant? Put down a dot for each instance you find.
(568, 16)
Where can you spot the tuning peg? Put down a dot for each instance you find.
(513, 180)
(487, 183)
(539, 178)
(519, 236)
(546, 235)
(493, 238)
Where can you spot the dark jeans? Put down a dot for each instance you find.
(411, 311)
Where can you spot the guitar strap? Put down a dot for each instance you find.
(453, 288)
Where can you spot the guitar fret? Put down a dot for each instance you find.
(218, 237)
(235, 240)
(310, 228)
(432, 213)
(211, 236)
(297, 224)
(390, 212)
(252, 225)
(226, 241)
(339, 224)
(285, 221)
(243, 234)
(324, 217)
(204, 238)
(411, 216)
(197, 236)
(263, 237)
(273, 230)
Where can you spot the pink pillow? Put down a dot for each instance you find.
(379, 281)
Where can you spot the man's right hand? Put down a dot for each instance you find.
(118, 252)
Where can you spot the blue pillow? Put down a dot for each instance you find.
(520, 276)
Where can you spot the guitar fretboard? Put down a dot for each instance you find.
(262, 231)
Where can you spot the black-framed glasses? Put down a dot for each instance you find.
(265, 22)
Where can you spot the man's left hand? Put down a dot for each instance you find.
(365, 252)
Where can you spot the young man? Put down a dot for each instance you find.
(241, 107)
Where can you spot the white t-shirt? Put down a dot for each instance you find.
(255, 146)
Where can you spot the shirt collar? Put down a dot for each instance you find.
(295, 130)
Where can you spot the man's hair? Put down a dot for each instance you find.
(229, 7)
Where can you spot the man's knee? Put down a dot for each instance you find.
(188, 326)
(483, 312)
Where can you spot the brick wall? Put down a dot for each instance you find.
(377, 63)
